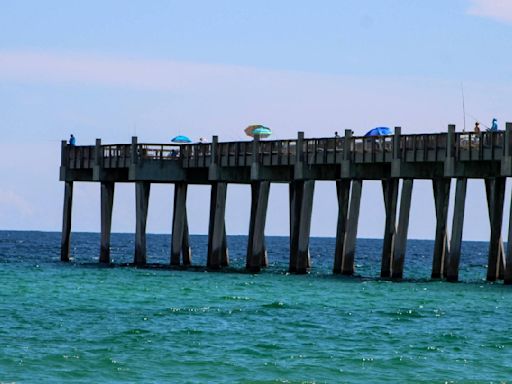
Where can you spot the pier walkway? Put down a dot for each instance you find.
(348, 161)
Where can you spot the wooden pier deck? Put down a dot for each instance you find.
(348, 161)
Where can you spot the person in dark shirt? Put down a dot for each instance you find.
(72, 140)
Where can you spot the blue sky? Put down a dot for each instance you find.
(112, 69)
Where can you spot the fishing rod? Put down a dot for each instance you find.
(463, 105)
(464, 110)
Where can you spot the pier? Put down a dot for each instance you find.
(396, 160)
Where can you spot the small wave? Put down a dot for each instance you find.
(244, 298)
(275, 304)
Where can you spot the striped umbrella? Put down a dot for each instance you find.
(258, 130)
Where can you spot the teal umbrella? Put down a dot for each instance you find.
(258, 130)
(181, 139)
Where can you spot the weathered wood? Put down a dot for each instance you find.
(390, 190)
(178, 223)
(347, 264)
(343, 195)
(107, 202)
(397, 270)
(495, 191)
(216, 232)
(457, 226)
(441, 188)
(303, 256)
(66, 221)
(256, 252)
(142, 189)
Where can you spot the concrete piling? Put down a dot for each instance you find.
(107, 202)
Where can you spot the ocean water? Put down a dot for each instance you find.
(80, 322)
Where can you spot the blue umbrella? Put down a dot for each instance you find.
(181, 139)
(379, 131)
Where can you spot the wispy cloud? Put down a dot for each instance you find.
(10, 200)
(71, 68)
(500, 10)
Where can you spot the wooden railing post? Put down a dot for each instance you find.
(64, 159)
(98, 161)
(506, 161)
(299, 157)
(213, 170)
(449, 162)
(347, 152)
(255, 164)
(396, 162)
(133, 152)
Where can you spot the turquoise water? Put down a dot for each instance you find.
(83, 323)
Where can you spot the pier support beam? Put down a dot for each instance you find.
(343, 194)
(296, 191)
(185, 247)
(217, 247)
(301, 206)
(403, 227)
(66, 221)
(452, 273)
(495, 190)
(107, 202)
(141, 213)
(507, 276)
(180, 244)
(256, 253)
(390, 190)
(441, 188)
(347, 264)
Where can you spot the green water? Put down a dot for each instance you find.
(82, 323)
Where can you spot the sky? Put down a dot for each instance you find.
(115, 69)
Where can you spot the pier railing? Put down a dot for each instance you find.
(484, 146)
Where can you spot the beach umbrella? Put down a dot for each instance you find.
(180, 139)
(258, 130)
(379, 131)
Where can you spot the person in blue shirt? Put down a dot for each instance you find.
(72, 140)
(494, 126)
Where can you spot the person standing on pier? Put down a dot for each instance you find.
(72, 140)
(494, 126)
(477, 127)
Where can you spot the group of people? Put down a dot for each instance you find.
(493, 128)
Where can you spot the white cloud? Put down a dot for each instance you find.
(500, 10)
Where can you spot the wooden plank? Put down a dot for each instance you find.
(403, 226)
